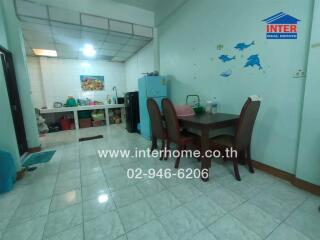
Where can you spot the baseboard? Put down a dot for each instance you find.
(273, 171)
(299, 183)
(34, 149)
(310, 187)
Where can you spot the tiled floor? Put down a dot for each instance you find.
(79, 196)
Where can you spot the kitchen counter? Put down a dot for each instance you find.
(75, 110)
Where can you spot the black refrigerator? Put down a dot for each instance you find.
(131, 100)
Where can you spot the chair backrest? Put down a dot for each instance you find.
(172, 123)
(248, 116)
(155, 118)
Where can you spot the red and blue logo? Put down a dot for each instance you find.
(282, 26)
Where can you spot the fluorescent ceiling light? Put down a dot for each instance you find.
(45, 52)
(103, 198)
(85, 64)
(89, 50)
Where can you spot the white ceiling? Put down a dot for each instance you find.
(67, 31)
(161, 8)
(144, 4)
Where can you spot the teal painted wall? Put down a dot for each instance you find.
(11, 39)
(189, 58)
(166, 8)
(7, 134)
(308, 166)
(3, 37)
(16, 46)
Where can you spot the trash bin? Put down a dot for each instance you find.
(7, 172)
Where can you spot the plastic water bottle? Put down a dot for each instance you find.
(209, 107)
(215, 104)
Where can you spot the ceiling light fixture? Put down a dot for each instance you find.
(85, 64)
(89, 50)
(45, 52)
(103, 198)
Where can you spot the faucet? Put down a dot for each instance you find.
(115, 89)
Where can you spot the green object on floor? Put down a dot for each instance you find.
(39, 157)
(97, 115)
(84, 114)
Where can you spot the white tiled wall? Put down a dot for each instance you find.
(61, 78)
(36, 82)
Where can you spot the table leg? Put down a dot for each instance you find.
(205, 162)
(123, 117)
(107, 116)
(76, 119)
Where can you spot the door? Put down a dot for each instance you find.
(14, 99)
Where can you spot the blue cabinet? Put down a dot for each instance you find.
(150, 87)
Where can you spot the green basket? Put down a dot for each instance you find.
(199, 110)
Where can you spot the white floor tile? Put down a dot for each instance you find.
(26, 231)
(255, 219)
(126, 196)
(107, 226)
(152, 230)
(64, 219)
(229, 228)
(135, 215)
(28, 212)
(78, 196)
(97, 206)
(205, 210)
(163, 202)
(286, 232)
(181, 224)
(65, 200)
(75, 233)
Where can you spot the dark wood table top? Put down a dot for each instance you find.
(209, 119)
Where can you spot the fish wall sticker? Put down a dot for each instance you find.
(239, 55)
(252, 61)
(227, 73)
(226, 58)
(242, 46)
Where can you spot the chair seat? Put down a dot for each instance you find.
(222, 141)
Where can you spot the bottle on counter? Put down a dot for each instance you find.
(209, 106)
(215, 105)
(109, 100)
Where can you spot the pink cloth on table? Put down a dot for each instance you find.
(184, 110)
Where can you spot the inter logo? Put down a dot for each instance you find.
(281, 26)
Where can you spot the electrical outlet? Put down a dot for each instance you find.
(300, 74)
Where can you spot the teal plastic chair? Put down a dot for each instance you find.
(7, 172)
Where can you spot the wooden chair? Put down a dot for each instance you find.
(181, 139)
(157, 125)
(242, 140)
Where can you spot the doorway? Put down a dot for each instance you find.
(14, 99)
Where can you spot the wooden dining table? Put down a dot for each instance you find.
(205, 123)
